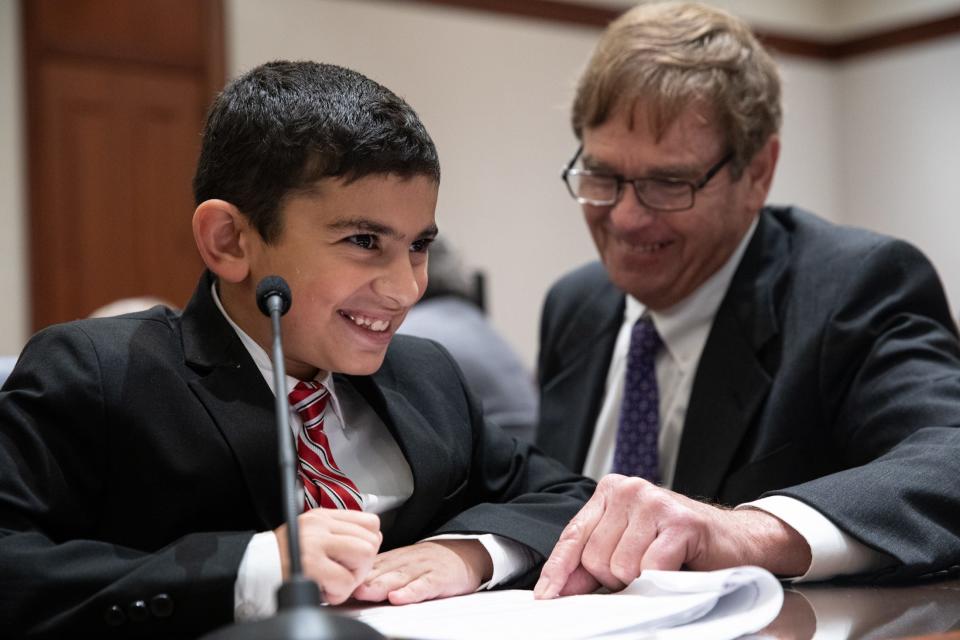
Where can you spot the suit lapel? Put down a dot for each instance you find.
(236, 398)
(421, 446)
(580, 383)
(731, 381)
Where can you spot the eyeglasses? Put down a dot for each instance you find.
(663, 194)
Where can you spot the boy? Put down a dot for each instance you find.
(138, 484)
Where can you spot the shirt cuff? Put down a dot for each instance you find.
(510, 558)
(258, 578)
(832, 552)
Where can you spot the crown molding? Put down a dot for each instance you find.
(598, 16)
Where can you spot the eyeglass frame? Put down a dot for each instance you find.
(695, 186)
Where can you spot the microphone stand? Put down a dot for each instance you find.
(299, 614)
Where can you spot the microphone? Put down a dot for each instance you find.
(273, 291)
(274, 300)
(299, 614)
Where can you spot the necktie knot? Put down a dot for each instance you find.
(309, 400)
(644, 337)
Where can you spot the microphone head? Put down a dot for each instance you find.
(273, 286)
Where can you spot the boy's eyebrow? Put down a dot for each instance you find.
(429, 232)
(365, 225)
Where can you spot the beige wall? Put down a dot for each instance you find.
(900, 150)
(873, 141)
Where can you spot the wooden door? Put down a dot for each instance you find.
(116, 96)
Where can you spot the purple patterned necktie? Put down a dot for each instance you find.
(636, 450)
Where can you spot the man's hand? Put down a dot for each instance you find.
(630, 525)
(337, 549)
(427, 570)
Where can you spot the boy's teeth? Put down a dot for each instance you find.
(373, 325)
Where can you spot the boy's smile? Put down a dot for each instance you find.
(355, 257)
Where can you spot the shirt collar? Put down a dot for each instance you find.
(684, 326)
(262, 360)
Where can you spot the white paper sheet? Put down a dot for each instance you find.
(665, 605)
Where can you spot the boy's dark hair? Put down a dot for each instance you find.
(279, 128)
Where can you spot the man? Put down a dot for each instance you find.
(139, 492)
(730, 354)
(449, 313)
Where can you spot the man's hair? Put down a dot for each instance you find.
(671, 56)
(278, 129)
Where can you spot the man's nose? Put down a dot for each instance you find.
(628, 213)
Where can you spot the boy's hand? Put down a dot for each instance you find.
(337, 549)
(427, 570)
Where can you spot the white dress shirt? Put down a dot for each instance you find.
(684, 329)
(367, 453)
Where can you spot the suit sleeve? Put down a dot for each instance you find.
(511, 489)
(60, 573)
(890, 384)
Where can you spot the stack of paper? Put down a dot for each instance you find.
(667, 605)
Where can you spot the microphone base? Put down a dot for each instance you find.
(296, 592)
(300, 623)
(300, 617)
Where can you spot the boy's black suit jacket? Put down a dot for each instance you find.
(831, 374)
(138, 455)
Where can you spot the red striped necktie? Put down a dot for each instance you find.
(324, 485)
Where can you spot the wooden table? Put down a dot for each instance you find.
(929, 610)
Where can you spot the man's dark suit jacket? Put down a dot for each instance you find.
(831, 374)
(138, 455)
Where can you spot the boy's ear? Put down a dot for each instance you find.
(222, 235)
